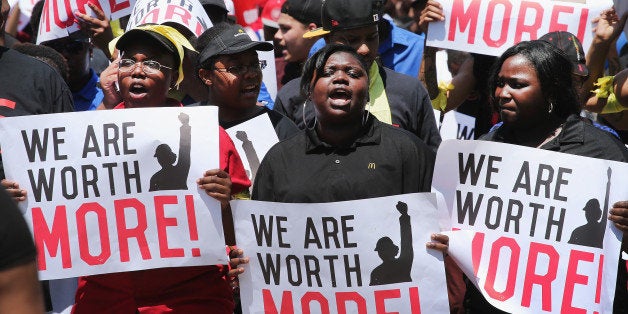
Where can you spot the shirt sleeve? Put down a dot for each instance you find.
(231, 163)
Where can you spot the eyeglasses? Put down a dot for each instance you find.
(242, 69)
(148, 66)
(71, 47)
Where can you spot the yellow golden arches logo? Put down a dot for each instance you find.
(371, 165)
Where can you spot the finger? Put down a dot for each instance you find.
(437, 237)
(621, 220)
(99, 13)
(620, 204)
(235, 253)
(436, 246)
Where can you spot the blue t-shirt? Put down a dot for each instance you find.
(402, 51)
(90, 96)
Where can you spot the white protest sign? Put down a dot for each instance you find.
(491, 26)
(455, 125)
(536, 235)
(115, 190)
(345, 257)
(189, 13)
(58, 20)
(253, 138)
(269, 74)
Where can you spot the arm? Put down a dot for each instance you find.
(607, 30)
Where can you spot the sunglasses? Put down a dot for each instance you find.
(71, 47)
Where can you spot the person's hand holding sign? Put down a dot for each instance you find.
(433, 11)
(235, 260)
(13, 189)
(217, 184)
(97, 28)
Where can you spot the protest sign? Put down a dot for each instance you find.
(491, 26)
(253, 139)
(341, 257)
(269, 74)
(535, 237)
(58, 20)
(115, 190)
(455, 125)
(188, 13)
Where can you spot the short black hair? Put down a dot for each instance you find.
(314, 66)
(47, 55)
(554, 71)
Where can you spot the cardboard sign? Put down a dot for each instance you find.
(345, 257)
(189, 13)
(115, 190)
(455, 125)
(58, 20)
(269, 74)
(253, 139)
(535, 237)
(491, 26)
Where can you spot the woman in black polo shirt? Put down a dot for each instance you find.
(347, 153)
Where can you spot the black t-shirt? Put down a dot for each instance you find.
(29, 86)
(382, 161)
(16, 242)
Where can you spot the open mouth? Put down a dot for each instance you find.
(138, 89)
(250, 90)
(340, 97)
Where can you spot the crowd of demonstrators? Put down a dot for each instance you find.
(395, 98)
(357, 99)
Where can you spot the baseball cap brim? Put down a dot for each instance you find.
(215, 50)
(138, 35)
(316, 33)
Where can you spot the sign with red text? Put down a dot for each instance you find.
(115, 190)
(491, 26)
(253, 138)
(188, 13)
(534, 236)
(58, 19)
(358, 256)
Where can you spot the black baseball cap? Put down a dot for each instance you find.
(216, 3)
(228, 39)
(569, 44)
(304, 11)
(346, 14)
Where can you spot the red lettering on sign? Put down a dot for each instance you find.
(582, 25)
(103, 232)
(515, 252)
(310, 297)
(174, 10)
(271, 308)
(477, 247)
(125, 233)
(532, 29)
(466, 19)
(81, 4)
(545, 281)
(380, 300)
(415, 301)
(68, 13)
(53, 238)
(164, 222)
(556, 11)
(117, 6)
(151, 17)
(343, 297)
(573, 278)
(505, 20)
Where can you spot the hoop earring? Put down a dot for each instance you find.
(303, 116)
(551, 108)
(367, 113)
